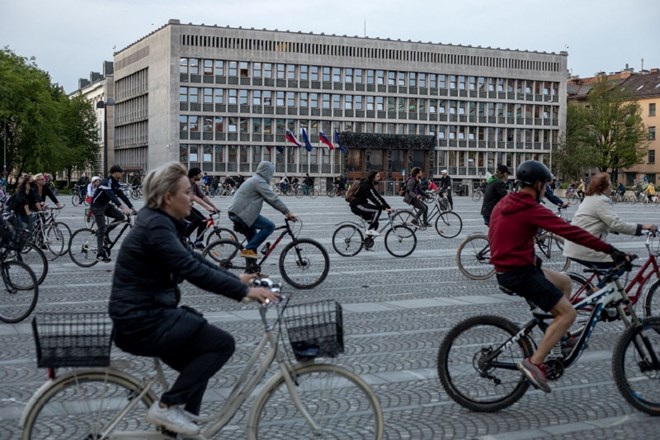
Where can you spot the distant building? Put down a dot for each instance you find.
(223, 99)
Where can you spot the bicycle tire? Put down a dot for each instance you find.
(19, 292)
(225, 253)
(220, 234)
(341, 404)
(551, 249)
(331, 193)
(52, 241)
(83, 248)
(75, 200)
(404, 217)
(299, 193)
(448, 224)
(304, 263)
(467, 348)
(476, 196)
(347, 240)
(34, 258)
(400, 241)
(80, 404)
(66, 235)
(313, 193)
(652, 308)
(473, 257)
(635, 365)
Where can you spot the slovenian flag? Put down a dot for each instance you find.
(305, 137)
(291, 138)
(324, 139)
(341, 147)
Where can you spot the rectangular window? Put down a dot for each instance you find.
(348, 75)
(433, 80)
(233, 68)
(193, 66)
(183, 94)
(256, 70)
(651, 133)
(391, 78)
(371, 75)
(232, 127)
(290, 99)
(218, 121)
(183, 65)
(304, 73)
(336, 74)
(652, 109)
(422, 80)
(267, 98)
(442, 81)
(336, 101)
(233, 97)
(193, 95)
(218, 96)
(280, 71)
(348, 102)
(401, 76)
(256, 97)
(314, 100)
(651, 156)
(358, 76)
(208, 67)
(314, 73)
(244, 125)
(208, 95)
(380, 77)
(268, 70)
(279, 99)
(243, 97)
(326, 74)
(304, 99)
(326, 100)
(358, 102)
(290, 71)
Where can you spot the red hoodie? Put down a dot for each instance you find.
(515, 221)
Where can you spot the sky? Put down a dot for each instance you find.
(71, 38)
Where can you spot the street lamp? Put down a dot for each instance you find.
(104, 105)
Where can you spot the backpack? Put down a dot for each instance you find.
(402, 188)
(350, 194)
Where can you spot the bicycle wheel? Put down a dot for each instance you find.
(225, 253)
(403, 217)
(331, 192)
(347, 240)
(473, 257)
(652, 301)
(83, 404)
(636, 366)
(340, 404)
(221, 234)
(19, 291)
(66, 235)
(83, 248)
(449, 224)
(313, 193)
(304, 263)
(551, 249)
(53, 242)
(476, 196)
(476, 366)
(299, 193)
(400, 241)
(75, 199)
(34, 258)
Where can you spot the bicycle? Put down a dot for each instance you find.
(83, 247)
(334, 191)
(135, 191)
(19, 290)
(304, 263)
(306, 190)
(348, 239)
(478, 193)
(491, 346)
(78, 195)
(473, 254)
(448, 224)
(572, 197)
(215, 231)
(302, 399)
(50, 235)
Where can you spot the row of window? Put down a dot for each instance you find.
(245, 69)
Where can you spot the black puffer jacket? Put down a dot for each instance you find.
(145, 295)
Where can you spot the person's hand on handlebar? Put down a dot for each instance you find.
(291, 216)
(262, 295)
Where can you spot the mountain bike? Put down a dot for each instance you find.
(83, 247)
(448, 224)
(477, 359)
(304, 263)
(299, 400)
(348, 239)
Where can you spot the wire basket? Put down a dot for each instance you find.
(315, 329)
(72, 339)
(14, 237)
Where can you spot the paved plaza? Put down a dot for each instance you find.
(396, 312)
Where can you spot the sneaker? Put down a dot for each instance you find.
(425, 225)
(104, 258)
(173, 419)
(414, 223)
(372, 232)
(535, 374)
(199, 245)
(249, 253)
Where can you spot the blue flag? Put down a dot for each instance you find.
(280, 149)
(305, 137)
(341, 147)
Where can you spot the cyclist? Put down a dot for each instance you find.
(514, 222)
(368, 203)
(284, 184)
(91, 188)
(445, 185)
(196, 219)
(206, 181)
(550, 195)
(108, 191)
(596, 215)
(82, 183)
(621, 189)
(580, 189)
(24, 200)
(246, 208)
(495, 191)
(650, 192)
(144, 303)
(414, 196)
(43, 191)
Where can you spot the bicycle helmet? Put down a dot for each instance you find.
(531, 171)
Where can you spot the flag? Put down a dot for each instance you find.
(324, 139)
(341, 147)
(280, 149)
(305, 137)
(291, 138)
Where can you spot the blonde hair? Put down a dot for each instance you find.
(164, 179)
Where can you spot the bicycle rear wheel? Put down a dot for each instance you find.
(347, 240)
(66, 235)
(476, 366)
(52, 241)
(19, 291)
(83, 248)
(636, 366)
(304, 263)
(82, 406)
(404, 217)
(34, 258)
(225, 253)
(400, 241)
(76, 199)
(551, 249)
(473, 257)
(220, 234)
(340, 404)
(449, 224)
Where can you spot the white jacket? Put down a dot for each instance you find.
(596, 214)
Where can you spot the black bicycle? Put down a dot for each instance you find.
(83, 247)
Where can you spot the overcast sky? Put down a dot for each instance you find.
(71, 38)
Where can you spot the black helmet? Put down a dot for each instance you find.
(531, 171)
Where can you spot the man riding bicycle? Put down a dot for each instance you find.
(514, 222)
(196, 218)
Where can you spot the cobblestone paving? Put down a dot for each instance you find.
(396, 312)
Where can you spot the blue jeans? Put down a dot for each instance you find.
(257, 233)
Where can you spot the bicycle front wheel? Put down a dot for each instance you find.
(83, 405)
(76, 199)
(477, 367)
(473, 257)
(83, 248)
(337, 404)
(304, 263)
(53, 242)
(347, 240)
(449, 224)
(65, 230)
(403, 217)
(400, 241)
(221, 234)
(34, 258)
(551, 249)
(636, 366)
(19, 291)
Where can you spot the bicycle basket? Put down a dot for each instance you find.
(315, 329)
(72, 339)
(14, 237)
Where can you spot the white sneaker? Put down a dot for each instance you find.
(172, 418)
(373, 232)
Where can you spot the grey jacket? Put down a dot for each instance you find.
(596, 214)
(249, 197)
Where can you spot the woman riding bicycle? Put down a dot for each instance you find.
(414, 196)
(144, 303)
(368, 203)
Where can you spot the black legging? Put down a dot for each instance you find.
(196, 220)
(369, 212)
(422, 210)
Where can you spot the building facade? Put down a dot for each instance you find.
(223, 99)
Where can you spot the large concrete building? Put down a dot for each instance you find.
(223, 99)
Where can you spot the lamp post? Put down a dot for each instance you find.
(104, 105)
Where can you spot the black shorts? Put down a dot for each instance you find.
(531, 284)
